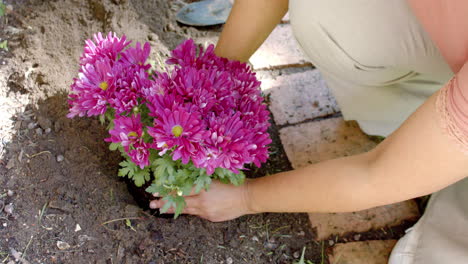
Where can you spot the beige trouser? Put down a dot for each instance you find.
(381, 65)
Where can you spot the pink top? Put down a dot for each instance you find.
(446, 21)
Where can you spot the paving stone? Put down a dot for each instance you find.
(312, 142)
(279, 49)
(366, 252)
(299, 96)
(328, 225)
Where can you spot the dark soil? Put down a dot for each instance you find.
(68, 204)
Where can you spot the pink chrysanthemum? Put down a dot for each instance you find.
(180, 130)
(126, 130)
(227, 145)
(137, 55)
(108, 47)
(139, 154)
(129, 83)
(92, 89)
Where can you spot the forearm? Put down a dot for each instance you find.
(248, 25)
(418, 159)
(338, 185)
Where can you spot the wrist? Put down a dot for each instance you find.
(248, 197)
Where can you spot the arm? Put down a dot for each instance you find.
(249, 24)
(417, 159)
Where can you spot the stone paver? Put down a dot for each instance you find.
(279, 49)
(327, 225)
(299, 96)
(312, 142)
(367, 252)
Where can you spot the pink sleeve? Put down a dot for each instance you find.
(446, 21)
(452, 107)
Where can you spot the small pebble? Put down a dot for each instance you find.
(357, 237)
(77, 228)
(8, 208)
(10, 164)
(271, 245)
(62, 245)
(331, 242)
(296, 254)
(229, 260)
(301, 233)
(255, 238)
(48, 130)
(39, 131)
(5, 224)
(9, 8)
(10, 193)
(60, 158)
(31, 125)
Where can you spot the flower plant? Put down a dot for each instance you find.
(202, 118)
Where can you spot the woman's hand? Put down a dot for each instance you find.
(221, 203)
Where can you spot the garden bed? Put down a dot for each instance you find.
(68, 204)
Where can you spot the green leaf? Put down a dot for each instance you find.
(153, 188)
(227, 176)
(114, 146)
(179, 205)
(102, 119)
(4, 45)
(169, 203)
(141, 176)
(164, 170)
(202, 182)
(2, 9)
(128, 168)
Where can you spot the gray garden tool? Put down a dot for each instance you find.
(205, 13)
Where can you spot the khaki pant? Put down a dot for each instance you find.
(381, 65)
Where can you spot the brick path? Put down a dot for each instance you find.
(312, 130)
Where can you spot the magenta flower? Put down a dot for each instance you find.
(184, 54)
(180, 130)
(206, 110)
(129, 84)
(137, 56)
(139, 154)
(92, 89)
(126, 131)
(227, 144)
(108, 47)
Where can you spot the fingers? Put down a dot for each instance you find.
(191, 207)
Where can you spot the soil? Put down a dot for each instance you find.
(60, 198)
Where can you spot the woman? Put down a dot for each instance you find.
(385, 62)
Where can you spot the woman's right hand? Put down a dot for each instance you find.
(221, 202)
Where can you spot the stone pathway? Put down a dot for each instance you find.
(312, 130)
